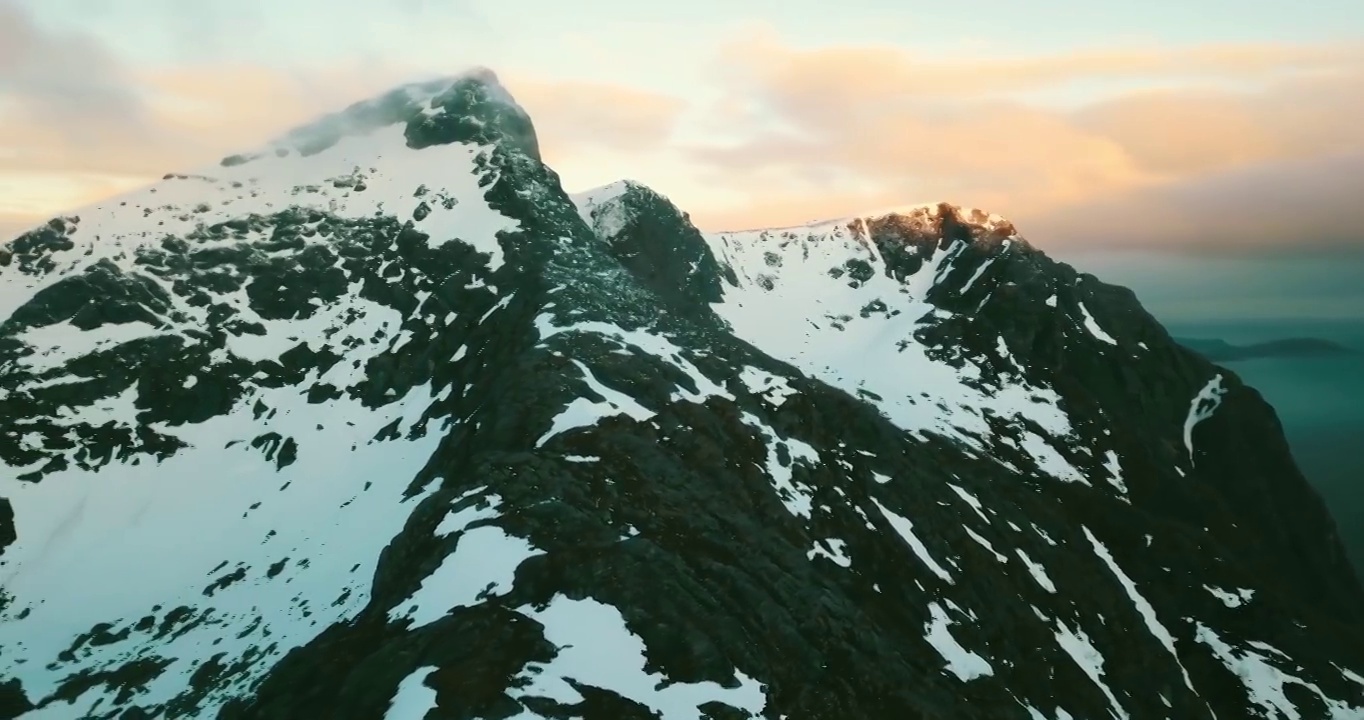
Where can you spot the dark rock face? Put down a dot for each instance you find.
(13, 702)
(472, 111)
(7, 533)
(657, 244)
(1241, 461)
(466, 453)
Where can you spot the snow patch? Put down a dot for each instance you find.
(597, 648)
(1232, 599)
(53, 345)
(963, 663)
(1114, 467)
(985, 544)
(482, 565)
(1078, 646)
(796, 497)
(413, 699)
(1264, 679)
(585, 412)
(905, 529)
(833, 549)
(775, 389)
(1039, 573)
(1093, 327)
(1204, 404)
(1148, 613)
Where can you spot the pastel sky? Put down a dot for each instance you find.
(1190, 126)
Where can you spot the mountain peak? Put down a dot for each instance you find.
(943, 217)
(921, 215)
(606, 209)
(654, 240)
(469, 106)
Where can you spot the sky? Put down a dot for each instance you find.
(1210, 150)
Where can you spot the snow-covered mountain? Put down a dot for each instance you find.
(378, 422)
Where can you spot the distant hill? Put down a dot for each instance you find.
(1223, 351)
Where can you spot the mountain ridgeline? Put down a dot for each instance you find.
(380, 423)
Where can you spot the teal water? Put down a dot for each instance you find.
(1319, 400)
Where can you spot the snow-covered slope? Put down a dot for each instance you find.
(851, 323)
(378, 422)
(188, 369)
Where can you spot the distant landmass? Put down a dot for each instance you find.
(1223, 351)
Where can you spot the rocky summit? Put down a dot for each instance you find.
(379, 423)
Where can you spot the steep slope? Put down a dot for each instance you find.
(1069, 370)
(379, 423)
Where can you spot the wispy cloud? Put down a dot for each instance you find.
(1238, 140)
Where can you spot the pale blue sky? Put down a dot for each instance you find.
(662, 43)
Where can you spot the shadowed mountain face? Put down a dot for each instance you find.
(1316, 397)
(380, 423)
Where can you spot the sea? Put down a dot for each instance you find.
(1319, 401)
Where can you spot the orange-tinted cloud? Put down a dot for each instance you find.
(1189, 131)
(988, 153)
(193, 116)
(893, 74)
(1305, 204)
(581, 116)
(11, 225)
(844, 129)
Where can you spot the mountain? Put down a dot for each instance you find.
(1223, 351)
(379, 422)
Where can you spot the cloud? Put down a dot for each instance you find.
(222, 30)
(1234, 141)
(1308, 204)
(1185, 131)
(56, 79)
(187, 117)
(83, 148)
(893, 74)
(982, 152)
(574, 117)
